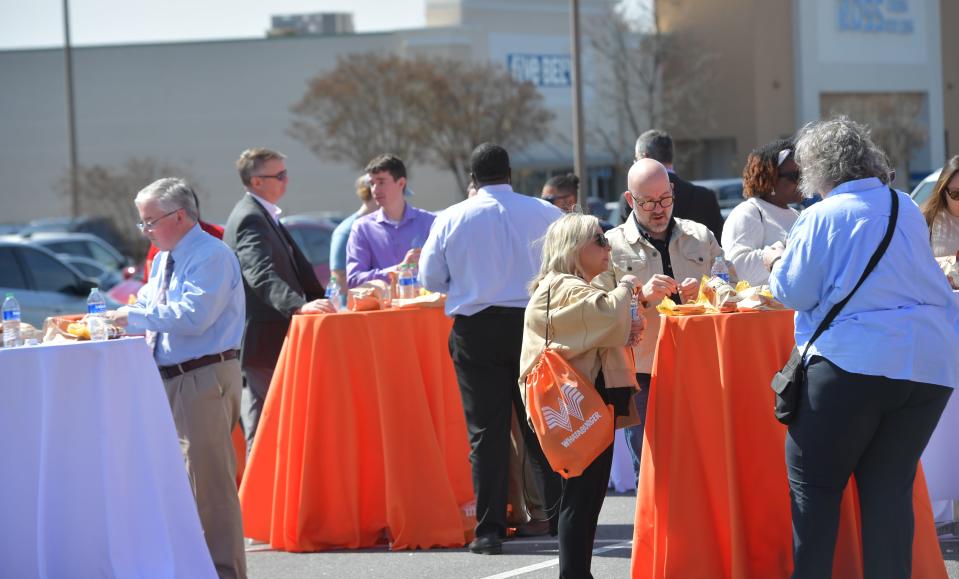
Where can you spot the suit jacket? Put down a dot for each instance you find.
(277, 280)
(697, 204)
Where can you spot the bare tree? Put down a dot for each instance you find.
(464, 106)
(647, 77)
(423, 109)
(893, 119)
(109, 191)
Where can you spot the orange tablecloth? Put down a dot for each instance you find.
(362, 431)
(713, 498)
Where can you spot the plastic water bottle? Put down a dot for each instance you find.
(634, 307)
(406, 284)
(96, 320)
(719, 269)
(335, 295)
(11, 322)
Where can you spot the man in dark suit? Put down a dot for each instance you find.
(277, 278)
(690, 201)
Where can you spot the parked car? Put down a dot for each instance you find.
(729, 193)
(81, 245)
(102, 227)
(43, 285)
(312, 234)
(924, 189)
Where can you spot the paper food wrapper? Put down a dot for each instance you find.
(371, 296)
(72, 328)
(27, 332)
(758, 299)
(426, 300)
(948, 266)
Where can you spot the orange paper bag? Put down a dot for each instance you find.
(570, 419)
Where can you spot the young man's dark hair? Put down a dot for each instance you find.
(489, 164)
(655, 144)
(389, 163)
(567, 184)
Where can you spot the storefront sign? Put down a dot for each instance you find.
(543, 70)
(875, 16)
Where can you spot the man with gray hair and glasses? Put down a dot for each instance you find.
(278, 279)
(192, 312)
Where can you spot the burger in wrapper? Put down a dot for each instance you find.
(758, 299)
(719, 294)
(670, 308)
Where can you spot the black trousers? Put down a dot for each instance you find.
(870, 426)
(485, 349)
(578, 515)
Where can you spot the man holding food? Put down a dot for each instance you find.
(667, 254)
(192, 312)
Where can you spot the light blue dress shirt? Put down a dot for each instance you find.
(485, 250)
(903, 322)
(205, 305)
(341, 234)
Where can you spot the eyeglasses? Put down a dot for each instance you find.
(953, 194)
(281, 176)
(151, 224)
(790, 176)
(601, 240)
(651, 205)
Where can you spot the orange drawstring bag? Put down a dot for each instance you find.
(570, 419)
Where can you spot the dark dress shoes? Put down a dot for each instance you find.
(533, 529)
(487, 545)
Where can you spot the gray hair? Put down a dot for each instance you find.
(835, 151)
(171, 194)
(251, 160)
(564, 239)
(656, 145)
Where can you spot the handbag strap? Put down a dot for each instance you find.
(549, 325)
(890, 229)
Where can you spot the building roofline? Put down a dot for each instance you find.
(301, 37)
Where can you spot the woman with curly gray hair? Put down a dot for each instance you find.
(878, 376)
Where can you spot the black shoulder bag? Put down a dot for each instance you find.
(788, 382)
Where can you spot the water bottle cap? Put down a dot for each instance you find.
(8, 295)
(96, 289)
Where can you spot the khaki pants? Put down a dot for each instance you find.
(206, 406)
(524, 494)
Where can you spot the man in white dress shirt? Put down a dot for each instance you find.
(482, 252)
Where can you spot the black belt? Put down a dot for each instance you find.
(175, 370)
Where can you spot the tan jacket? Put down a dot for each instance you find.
(590, 328)
(692, 249)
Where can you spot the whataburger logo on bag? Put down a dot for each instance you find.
(569, 407)
(556, 394)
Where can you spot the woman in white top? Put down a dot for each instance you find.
(758, 226)
(941, 211)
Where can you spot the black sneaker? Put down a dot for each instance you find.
(487, 545)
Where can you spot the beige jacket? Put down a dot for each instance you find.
(590, 328)
(692, 249)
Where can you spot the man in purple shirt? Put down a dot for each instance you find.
(391, 236)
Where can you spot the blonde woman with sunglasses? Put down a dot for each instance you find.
(941, 211)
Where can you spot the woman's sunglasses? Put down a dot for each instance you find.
(602, 241)
(953, 194)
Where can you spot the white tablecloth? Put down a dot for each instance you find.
(940, 462)
(92, 482)
(622, 477)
